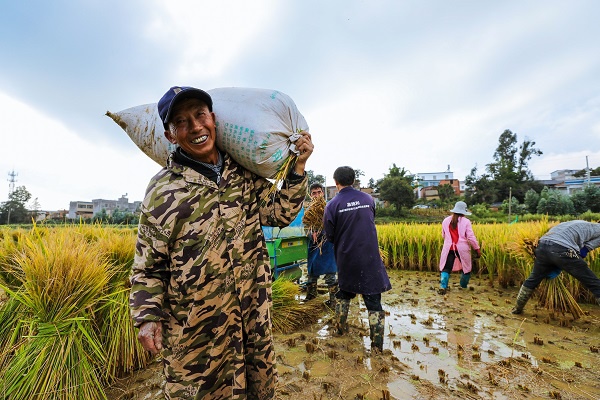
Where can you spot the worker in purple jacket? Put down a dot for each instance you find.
(349, 223)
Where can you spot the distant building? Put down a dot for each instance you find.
(455, 183)
(331, 191)
(110, 206)
(80, 209)
(563, 174)
(564, 181)
(575, 185)
(47, 215)
(375, 196)
(87, 209)
(429, 181)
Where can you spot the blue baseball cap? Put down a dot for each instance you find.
(165, 104)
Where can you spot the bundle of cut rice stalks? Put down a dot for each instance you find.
(313, 215)
(124, 353)
(60, 357)
(288, 314)
(313, 218)
(556, 297)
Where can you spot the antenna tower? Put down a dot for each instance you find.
(12, 179)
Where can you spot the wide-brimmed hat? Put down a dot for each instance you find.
(460, 208)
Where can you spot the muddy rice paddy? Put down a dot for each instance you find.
(462, 345)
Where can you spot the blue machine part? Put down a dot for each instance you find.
(273, 235)
(296, 228)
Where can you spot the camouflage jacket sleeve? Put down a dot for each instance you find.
(150, 273)
(280, 207)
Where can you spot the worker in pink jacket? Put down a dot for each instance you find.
(458, 240)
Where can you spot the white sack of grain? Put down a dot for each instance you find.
(256, 127)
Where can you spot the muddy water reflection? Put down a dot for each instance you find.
(434, 351)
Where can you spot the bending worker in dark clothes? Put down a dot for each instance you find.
(563, 248)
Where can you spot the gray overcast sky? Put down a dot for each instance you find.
(422, 84)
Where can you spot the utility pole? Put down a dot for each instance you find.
(588, 171)
(11, 188)
(509, 202)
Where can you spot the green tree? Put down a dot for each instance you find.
(582, 173)
(479, 189)
(587, 199)
(507, 173)
(446, 192)
(531, 201)
(312, 178)
(102, 216)
(34, 209)
(397, 188)
(579, 200)
(357, 174)
(514, 207)
(553, 202)
(14, 211)
(122, 217)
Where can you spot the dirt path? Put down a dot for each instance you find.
(462, 345)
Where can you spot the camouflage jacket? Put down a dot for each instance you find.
(202, 269)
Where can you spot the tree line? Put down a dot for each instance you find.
(506, 177)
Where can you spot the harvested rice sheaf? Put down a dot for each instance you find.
(313, 219)
(313, 215)
(288, 314)
(555, 296)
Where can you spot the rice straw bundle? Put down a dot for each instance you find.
(555, 296)
(63, 280)
(11, 245)
(118, 335)
(313, 215)
(313, 219)
(288, 314)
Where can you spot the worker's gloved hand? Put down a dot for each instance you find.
(554, 273)
(584, 252)
(478, 253)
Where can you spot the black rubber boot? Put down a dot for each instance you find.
(341, 316)
(333, 289)
(311, 291)
(377, 328)
(522, 298)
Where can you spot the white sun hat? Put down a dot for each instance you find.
(460, 208)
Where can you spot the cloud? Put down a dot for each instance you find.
(57, 166)
(418, 84)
